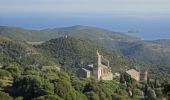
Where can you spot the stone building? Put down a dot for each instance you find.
(101, 70)
(84, 73)
(138, 75)
(134, 74)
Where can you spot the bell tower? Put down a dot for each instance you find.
(98, 58)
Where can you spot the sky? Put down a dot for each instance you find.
(85, 6)
(151, 17)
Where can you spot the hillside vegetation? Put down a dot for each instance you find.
(149, 52)
(22, 79)
(31, 83)
(74, 53)
(69, 53)
(22, 53)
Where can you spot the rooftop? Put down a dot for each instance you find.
(132, 71)
(85, 70)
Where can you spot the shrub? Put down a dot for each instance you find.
(5, 96)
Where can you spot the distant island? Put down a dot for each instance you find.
(133, 31)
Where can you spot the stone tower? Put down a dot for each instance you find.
(98, 58)
(144, 75)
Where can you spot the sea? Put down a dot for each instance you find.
(145, 27)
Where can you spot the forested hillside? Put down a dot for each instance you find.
(31, 83)
(22, 79)
(22, 53)
(23, 34)
(147, 52)
(74, 53)
(69, 53)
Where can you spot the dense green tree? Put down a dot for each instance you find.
(118, 97)
(64, 89)
(151, 94)
(92, 96)
(13, 68)
(5, 96)
(80, 96)
(166, 89)
(159, 93)
(156, 83)
(148, 80)
(48, 97)
(4, 74)
(146, 90)
(78, 84)
(31, 86)
(122, 79)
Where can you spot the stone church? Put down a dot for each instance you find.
(101, 70)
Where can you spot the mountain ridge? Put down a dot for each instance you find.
(76, 27)
(158, 50)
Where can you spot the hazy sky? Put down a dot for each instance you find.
(86, 6)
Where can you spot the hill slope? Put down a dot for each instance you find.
(74, 53)
(71, 53)
(97, 35)
(20, 52)
(23, 34)
(149, 52)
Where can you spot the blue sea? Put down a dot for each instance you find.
(149, 28)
